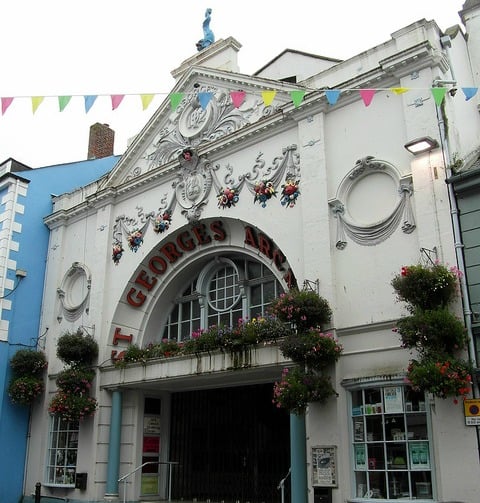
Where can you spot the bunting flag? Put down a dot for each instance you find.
(438, 94)
(116, 100)
(89, 101)
(238, 97)
(146, 100)
(332, 96)
(268, 97)
(204, 99)
(469, 92)
(367, 95)
(297, 97)
(36, 102)
(175, 100)
(63, 101)
(6, 102)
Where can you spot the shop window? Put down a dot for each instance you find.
(224, 291)
(62, 452)
(391, 446)
(150, 483)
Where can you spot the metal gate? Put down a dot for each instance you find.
(232, 445)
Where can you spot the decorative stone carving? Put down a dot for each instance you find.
(74, 292)
(368, 234)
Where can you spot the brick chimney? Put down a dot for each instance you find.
(100, 143)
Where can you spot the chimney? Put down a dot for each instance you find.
(100, 143)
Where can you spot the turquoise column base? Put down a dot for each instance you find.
(298, 458)
(113, 465)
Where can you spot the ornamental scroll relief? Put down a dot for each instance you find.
(395, 212)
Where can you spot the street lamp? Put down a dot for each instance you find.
(420, 145)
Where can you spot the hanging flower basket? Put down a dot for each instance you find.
(227, 198)
(264, 190)
(28, 362)
(443, 377)
(72, 407)
(290, 193)
(313, 348)
(303, 309)
(24, 390)
(135, 240)
(297, 388)
(77, 349)
(75, 380)
(438, 331)
(162, 222)
(117, 253)
(426, 287)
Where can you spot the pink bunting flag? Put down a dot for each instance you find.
(116, 100)
(6, 102)
(268, 97)
(238, 97)
(367, 95)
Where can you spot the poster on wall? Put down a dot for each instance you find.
(324, 466)
(393, 399)
(151, 425)
(419, 455)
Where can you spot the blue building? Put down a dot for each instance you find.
(25, 199)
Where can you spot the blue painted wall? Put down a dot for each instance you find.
(24, 316)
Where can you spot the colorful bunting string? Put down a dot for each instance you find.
(238, 97)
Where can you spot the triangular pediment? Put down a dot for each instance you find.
(196, 124)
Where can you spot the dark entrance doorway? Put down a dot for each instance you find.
(232, 444)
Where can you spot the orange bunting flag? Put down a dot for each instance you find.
(367, 95)
(116, 100)
(399, 90)
(63, 101)
(175, 100)
(268, 97)
(438, 94)
(36, 102)
(6, 102)
(238, 97)
(297, 97)
(146, 100)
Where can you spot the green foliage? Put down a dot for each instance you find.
(28, 362)
(298, 388)
(313, 348)
(443, 377)
(426, 287)
(438, 331)
(77, 349)
(24, 390)
(303, 309)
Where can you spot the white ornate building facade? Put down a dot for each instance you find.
(365, 208)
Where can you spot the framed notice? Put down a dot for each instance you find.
(324, 466)
(419, 455)
(360, 457)
(393, 399)
(358, 429)
(151, 424)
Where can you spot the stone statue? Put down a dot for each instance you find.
(208, 36)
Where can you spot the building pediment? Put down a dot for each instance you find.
(207, 112)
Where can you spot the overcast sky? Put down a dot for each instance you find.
(55, 48)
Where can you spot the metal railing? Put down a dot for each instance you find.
(169, 463)
(281, 485)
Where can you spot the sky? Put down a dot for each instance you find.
(75, 48)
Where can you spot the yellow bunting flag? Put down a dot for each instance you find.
(297, 97)
(63, 101)
(36, 102)
(399, 90)
(146, 100)
(268, 97)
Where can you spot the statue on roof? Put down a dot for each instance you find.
(208, 36)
